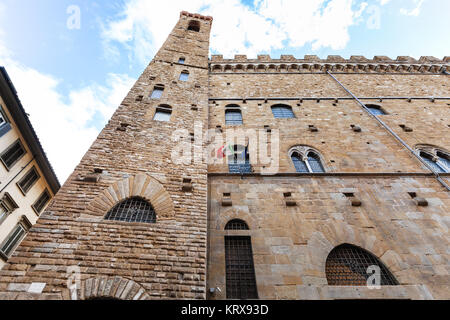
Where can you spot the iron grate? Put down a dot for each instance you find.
(236, 224)
(134, 209)
(240, 271)
(347, 265)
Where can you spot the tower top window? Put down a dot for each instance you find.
(194, 26)
(184, 76)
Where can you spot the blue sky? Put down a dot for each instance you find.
(71, 80)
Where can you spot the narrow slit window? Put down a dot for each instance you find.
(157, 92)
(12, 154)
(184, 76)
(240, 270)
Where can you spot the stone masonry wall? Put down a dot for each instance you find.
(165, 260)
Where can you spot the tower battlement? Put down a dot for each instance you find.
(195, 15)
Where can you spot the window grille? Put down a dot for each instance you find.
(134, 209)
(240, 271)
(282, 111)
(233, 116)
(347, 265)
(236, 224)
(13, 154)
(41, 202)
(300, 165)
(184, 76)
(157, 92)
(28, 180)
(314, 162)
(375, 110)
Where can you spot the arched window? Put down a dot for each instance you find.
(436, 158)
(306, 160)
(182, 60)
(194, 25)
(348, 265)
(163, 113)
(239, 160)
(240, 270)
(300, 165)
(282, 111)
(375, 109)
(233, 115)
(314, 162)
(236, 224)
(184, 76)
(135, 209)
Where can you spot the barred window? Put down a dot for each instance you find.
(375, 109)
(12, 154)
(135, 209)
(163, 113)
(41, 202)
(233, 115)
(347, 265)
(282, 111)
(240, 270)
(28, 180)
(236, 224)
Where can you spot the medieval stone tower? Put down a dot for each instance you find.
(353, 204)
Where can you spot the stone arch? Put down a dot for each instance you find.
(232, 214)
(140, 185)
(113, 287)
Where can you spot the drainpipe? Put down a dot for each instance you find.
(438, 177)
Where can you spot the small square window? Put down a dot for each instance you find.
(157, 92)
(162, 115)
(184, 76)
(181, 60)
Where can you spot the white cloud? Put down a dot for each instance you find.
(65, 129)
(413, 12)
(143, 25)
